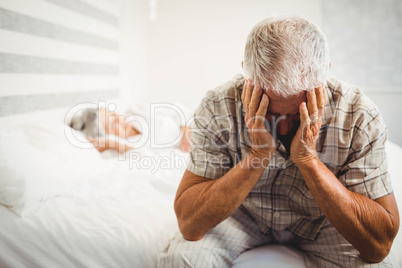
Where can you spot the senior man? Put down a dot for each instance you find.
(286, 156)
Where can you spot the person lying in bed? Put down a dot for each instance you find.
(108, 130)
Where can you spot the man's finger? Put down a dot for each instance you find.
(262, 111)
(320, 96)
(312, 103)
(255, 100)
(243, 93)
(304, 116)
(249, 90)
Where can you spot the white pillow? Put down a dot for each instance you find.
(38, 162)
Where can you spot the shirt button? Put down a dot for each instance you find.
(277, 214)
(277, 182)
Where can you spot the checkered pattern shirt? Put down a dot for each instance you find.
(350, 144)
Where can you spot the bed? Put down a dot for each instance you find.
(64, 206)
(111, 212)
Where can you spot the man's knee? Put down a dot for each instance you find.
(201, 253)
(174, 258)
(347, 259)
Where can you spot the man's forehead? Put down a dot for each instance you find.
(281, 105)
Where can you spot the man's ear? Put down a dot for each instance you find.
(242, 64)
(330, 64)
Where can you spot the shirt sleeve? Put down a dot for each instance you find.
(366, 171)
(209, 157)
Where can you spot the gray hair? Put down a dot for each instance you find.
(286, 55)
(86, 121)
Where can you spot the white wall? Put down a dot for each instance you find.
(133, 47)
(365, 39)
(390, 105)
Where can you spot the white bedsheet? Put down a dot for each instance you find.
(124, 218)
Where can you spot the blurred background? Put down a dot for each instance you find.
(58, 52)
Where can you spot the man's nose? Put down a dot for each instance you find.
(284, 126)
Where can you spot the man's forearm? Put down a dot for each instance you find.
(204, 205)
(362, 221)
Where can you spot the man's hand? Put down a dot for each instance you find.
(185, 143)
(263, 144)
(303, 148)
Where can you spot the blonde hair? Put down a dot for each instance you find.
(286, 55)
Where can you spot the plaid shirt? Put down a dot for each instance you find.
(350, 144)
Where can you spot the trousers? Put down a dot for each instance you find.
(223, 244)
